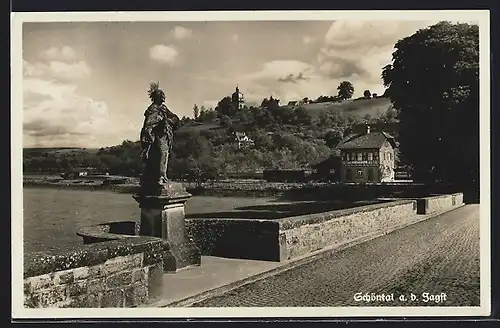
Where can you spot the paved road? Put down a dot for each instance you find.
(439, 255)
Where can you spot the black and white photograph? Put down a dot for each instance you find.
(241, 164)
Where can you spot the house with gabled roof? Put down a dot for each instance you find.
(367, 157)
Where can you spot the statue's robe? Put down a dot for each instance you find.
(156, 142)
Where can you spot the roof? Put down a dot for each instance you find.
(330, 160)
(366, 140)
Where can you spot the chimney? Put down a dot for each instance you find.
(367, 129)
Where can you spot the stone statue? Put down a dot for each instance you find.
(156, 139)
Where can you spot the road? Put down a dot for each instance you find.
(439, 256)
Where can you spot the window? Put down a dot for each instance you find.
(370, 156)
(360, 156)
(360, 173)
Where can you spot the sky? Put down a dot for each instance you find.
(85, 83)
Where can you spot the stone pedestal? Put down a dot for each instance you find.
(162, 215)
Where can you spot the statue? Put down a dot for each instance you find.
(156, 140)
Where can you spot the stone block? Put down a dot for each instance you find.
(96, 271)
(155, 280)
(94, 300)
(39, 282)
(136, 294)
(96, 285)
(31, 300)
(139, 276)
(122, 263)
(81, 273)
(119, 279)
(113, 298)
(77, 288)
(53, 295)
(77, 301)
(63, 277)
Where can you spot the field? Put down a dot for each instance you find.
(373, 107)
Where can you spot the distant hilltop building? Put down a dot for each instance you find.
(237, 99)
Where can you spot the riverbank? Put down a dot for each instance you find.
(245, 188)
(258, 188)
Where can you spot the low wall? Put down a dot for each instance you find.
(283, 239)
(305, 234)
(439, 203)
(288, 238)
(111, 271)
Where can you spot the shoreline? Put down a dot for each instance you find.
(256, 188)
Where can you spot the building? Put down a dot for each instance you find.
(367, 157)
(328, 169)
(292, 103)
(243, 140)
(237, 99)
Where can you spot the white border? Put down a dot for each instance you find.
(18, 310)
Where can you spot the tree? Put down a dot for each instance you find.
(196, 111)
(226, 107)
(302, 116)
(367, 94)
(225, 121)
(433, 84)
(346, 90)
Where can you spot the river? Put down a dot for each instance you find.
(52, 216)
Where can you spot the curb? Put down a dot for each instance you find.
(293, 263)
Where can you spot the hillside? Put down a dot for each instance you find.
(361, 107)
(57, 151)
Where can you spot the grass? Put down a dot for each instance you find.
(372, 107)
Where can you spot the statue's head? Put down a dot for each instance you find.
(156, 94)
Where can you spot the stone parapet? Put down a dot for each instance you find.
(117, 273)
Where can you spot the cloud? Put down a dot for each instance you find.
(163, 54)
(181, 33)
(64, 53)
(359, 49)
(235, 37)
(281, 69)
(57, 70)
(286, 80)
(307, 39)
(55, 111)
(290, 78)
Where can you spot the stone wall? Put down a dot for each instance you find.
(305, 234)
(288, 238)
(435, 204)
(118, 273)
(236, 238)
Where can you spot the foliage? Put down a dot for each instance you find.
(346, 90)
(196, 111)
(433, 83)
(367, 94)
